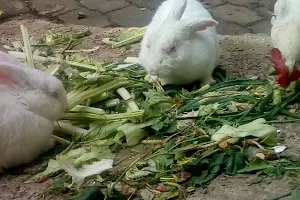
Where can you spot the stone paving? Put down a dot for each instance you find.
(234, 16)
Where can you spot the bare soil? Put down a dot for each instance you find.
(242, 55)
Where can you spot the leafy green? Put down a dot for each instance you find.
(134, 133)
(295, 195)
(55, 38)
(229, 162)
(90, 193)
(256, 165)
(235, 163)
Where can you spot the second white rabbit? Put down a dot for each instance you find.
(181, 44)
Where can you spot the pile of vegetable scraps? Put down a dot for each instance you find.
(123, 138)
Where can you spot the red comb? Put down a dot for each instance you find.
(279, 65)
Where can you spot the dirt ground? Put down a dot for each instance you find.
(242, 55)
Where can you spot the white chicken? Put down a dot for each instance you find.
(285, 33)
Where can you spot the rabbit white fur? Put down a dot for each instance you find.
(181, 44)
(30, 102)
(285, 31)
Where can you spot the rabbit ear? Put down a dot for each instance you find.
(200, 25)
(4, 74)
(11, 73)
(177, 10)
(7, 58)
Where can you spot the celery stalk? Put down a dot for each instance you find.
(82, 66)
(68, 128)
(96, 91)
(91, 116)
(27, 46)
(86, 109)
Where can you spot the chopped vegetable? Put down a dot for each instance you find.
(80, 15)
(185, 136)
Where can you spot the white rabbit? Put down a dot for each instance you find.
(30, 102)
(181, 44)
(285, 32)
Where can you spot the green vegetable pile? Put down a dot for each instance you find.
(189, 135)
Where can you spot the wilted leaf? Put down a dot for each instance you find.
(79, 175)
(256, 128)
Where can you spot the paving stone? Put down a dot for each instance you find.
(236, 14)
(94, 18)
(211, 3)
(104, 5)
(12, 7)
(131, 17)
(151, 4)
(262, 27)
(228, 28)
(270, 4)
(54, 7)
(249, 3)
(264, 11)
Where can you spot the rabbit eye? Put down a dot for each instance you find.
(172, 49)
(148, 45)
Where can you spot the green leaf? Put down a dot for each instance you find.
(163, 161)
(257, 164)
(295, 194)
(134, 133)
(235, 163)
(276, 172)
(215, 170)
(201, 180)
(178, 154)
(90, 193)
(208, 153)
(102, 130)
(218, 159)
(57, 185)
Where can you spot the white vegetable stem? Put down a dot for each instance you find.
(22, 55)
(86, 109)
(69, 128)
(112, 103)
(127, 97)
(27, 47)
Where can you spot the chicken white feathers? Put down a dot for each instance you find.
(285, 32)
